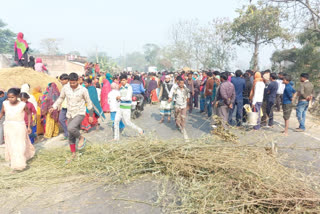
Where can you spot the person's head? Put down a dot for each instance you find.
(216, 73)
(13, 95)
(280, 75)
(209, 74)
(224, 77)
(24, 97)
(167, 78)
(304, 77)
(180, 82)
(273, 76)
(238, 73)
(98, 85)
(64, 79)
(190, 76)
(136, 77)
(286, 79)
(114, 86)
(31, 59)
(123, 79)
(246, 76)
(204, 74)
(1, 94)
(249, 72)
(74, 80)
(268, 71)
(87, 82)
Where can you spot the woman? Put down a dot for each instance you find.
(25, 88)
(86, 125)
(37, 93)
(109, 78)
(40, 67)
(51, 120)
(104, 96)
(151, 91)
(21, 51)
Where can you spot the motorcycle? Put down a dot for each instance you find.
(136, 107)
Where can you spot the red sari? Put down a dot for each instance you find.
(104, 96)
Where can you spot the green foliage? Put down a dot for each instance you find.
(151, 52)
(7, 39)
(258, 25)
(106, 62)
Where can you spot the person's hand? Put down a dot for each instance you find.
(29, 130)
(51, 110)
(252, 106)
(90, 119)
(230, 106)
(118, 98)
(170, 99)
(216, 104)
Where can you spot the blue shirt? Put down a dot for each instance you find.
(272, 91)
(239, 86)
(137, 88)
(288, 94)
(3, 99)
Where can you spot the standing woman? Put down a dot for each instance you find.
(21, 51)
(151, 91)
(104, 96)
(18, 148)
(37, 93)
(51, 120)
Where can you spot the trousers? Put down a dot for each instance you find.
(125, 115)
(62, 120)
(74, 128)
(180, 115)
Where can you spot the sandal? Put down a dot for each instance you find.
(84, 144)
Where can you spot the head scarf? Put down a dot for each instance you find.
(109, 77)
(36, 92)
(20, 45)
(26, 89)
(49, 97)
(257, 78)
(38, 60)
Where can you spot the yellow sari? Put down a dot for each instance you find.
(38, 94)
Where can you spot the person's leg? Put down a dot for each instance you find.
(117, 119)
(257, 107)
(126, 114)
(230, 121)
(304, 114)
(183, 117)
(196, 99)
(209, 105)
(62, 121)
(239, 112)
(1, 130)
(178, 117)
(190, 103)
(74, 132)
(278, 102)
(264, 112)
(270, 107)
(244, 113)
(202, 101)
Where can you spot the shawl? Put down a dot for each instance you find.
(49, 97)
(37, 94)
(26, 89)
(152, 85)
(104, 95)
(109, 77)
(95, 101)
(20, 45)
(257, 78)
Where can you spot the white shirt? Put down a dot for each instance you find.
(281, 86)
(258, 93)
(99, 93)
(112, 100)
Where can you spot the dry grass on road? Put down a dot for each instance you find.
(206, 175)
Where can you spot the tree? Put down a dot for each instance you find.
(256, 26)
(50, 46)
(76, 53)
(7, 39)
(151, 52)
(302, 12)
(136, 60)
(106, 62)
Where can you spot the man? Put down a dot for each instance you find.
(3, 97)
(266, 80)
(181, 95)
(288, 97)
(124, 113)
(208, 93)
(78, 99)
(280, 90)
(165, 106)
(190, 85)
(239, 84)
(138, 89)
(225, 97)
(251, 75)
(64, 79)
(271, 97)
(246, 95)
(202, 90)
(305, 94)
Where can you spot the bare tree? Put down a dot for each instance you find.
(50, 46)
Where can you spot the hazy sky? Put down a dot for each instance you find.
(115, 26)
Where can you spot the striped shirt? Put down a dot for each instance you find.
(126, 96)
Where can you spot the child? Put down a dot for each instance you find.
(289, 95)
(40, 67)
(77, 100)
(24, 97)
(114, 104)
(18, 147)
(124, 113)
(64, 80)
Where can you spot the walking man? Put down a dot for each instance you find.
(305, 94)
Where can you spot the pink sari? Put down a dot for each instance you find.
(104, 96)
